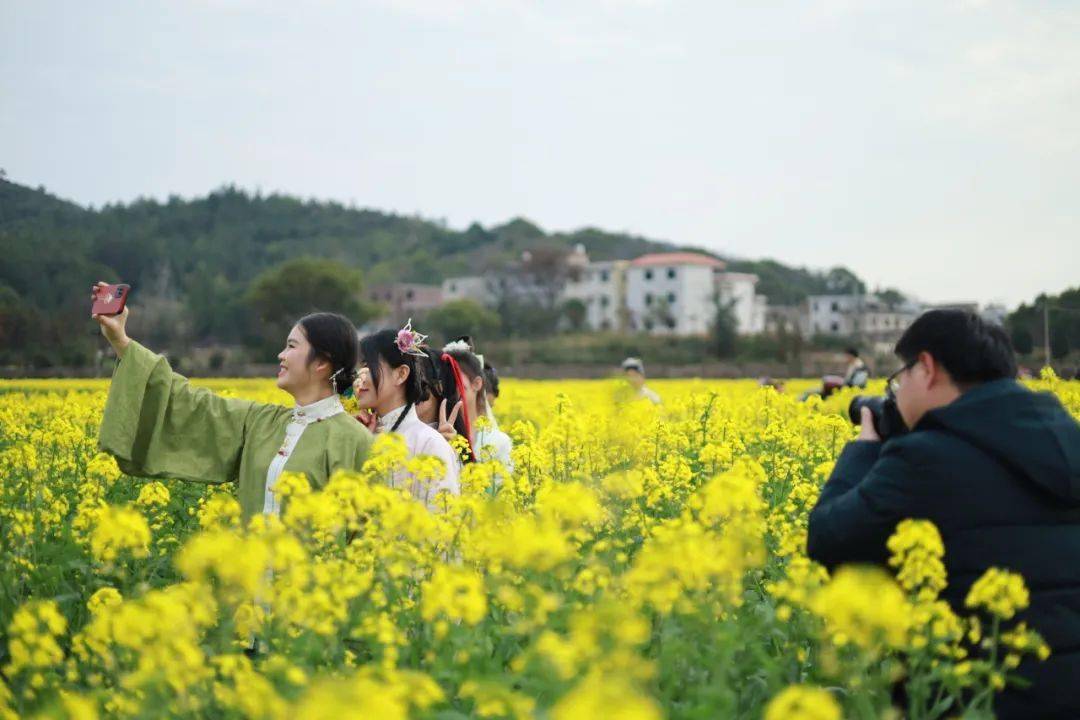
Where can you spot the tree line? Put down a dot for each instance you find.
(231, 267)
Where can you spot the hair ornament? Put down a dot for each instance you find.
(457, 346)
(409, 341)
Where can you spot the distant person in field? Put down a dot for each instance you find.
(856, 374)
(634, 370)
(390, 384)
(156, 425)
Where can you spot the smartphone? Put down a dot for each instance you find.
(110, 299)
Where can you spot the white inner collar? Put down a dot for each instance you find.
(326, 408)
(387, 421)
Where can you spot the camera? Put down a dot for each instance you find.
(888, 421)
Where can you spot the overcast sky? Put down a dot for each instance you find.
(933, 145)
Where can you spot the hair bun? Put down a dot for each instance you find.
(344, 380)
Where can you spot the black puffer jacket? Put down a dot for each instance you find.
(998, 472)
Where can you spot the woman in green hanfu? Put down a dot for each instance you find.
(156, 425)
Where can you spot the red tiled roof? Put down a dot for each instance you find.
(678, 258)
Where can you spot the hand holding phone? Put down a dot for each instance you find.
(109, 299)
(110, 311)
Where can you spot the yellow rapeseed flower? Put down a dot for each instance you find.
(803, 702)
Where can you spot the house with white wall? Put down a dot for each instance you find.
(667, 294)
(864, 316)
(672, 293)
(663, 293)
(601, 288)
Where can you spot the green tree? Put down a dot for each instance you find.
(891, 296)
(575, 312)
(1026, 324)
(284, 293)
(461, 317)
(841, 281)
(725, 331)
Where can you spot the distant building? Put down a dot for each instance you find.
(865, 317)
(739, 290)
(601, 287)
(831, 315)
(666, 293)
(405, 300)
(478, 288)
(787, 319)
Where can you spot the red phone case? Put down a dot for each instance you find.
(111, 299)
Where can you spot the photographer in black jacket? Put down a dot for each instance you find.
(995, 466)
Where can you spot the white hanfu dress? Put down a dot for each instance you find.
(422, 439)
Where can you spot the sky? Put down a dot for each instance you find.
(929, 145)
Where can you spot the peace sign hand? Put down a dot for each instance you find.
(446, 424)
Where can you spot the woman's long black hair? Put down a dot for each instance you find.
(430, 375)
(382, 345)
(333, 338)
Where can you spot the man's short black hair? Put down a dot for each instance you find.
(971, 350)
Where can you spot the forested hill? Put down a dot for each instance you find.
(201, 256)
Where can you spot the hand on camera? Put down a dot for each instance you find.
(868, 431)
(113, 327)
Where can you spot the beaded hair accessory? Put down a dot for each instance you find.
(409, 341)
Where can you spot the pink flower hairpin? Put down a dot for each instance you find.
(409, 341)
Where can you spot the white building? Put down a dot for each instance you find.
(666, 293)
(601, 287)
(739, 291)
(865, 316)
(831, 315)
(663, 293)
(672, 293)
(477, 288)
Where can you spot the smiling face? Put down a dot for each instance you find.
(390, 392)
(295, 372)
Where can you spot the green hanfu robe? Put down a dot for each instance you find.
(156, 425)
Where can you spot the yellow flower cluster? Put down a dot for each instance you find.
(801, 702)
(640, 561)
(454, 593)
(1000, 592)
(32, 645)
(864, 606)
(118, 530)
(916, 552)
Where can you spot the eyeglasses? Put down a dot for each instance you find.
(892, 385)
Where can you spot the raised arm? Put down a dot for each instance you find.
(156, 425)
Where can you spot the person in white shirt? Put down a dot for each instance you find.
(390, 385)
(462, 373)
(635, 375)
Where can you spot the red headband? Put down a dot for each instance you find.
(459, 381)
